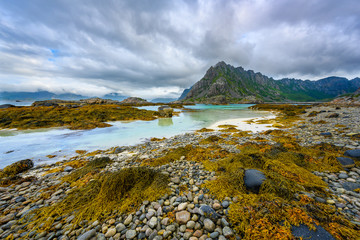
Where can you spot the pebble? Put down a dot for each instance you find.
(209, 225)
(182, 217)
(130, 234)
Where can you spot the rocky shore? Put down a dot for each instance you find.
(192, 209)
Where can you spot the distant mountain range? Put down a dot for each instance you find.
(224, 83)
(163, 100)
(45, 95)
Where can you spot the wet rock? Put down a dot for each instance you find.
(253, 179)
(355, 153)
(350, 186)
(304, 232)
(87, 235)
(209, 212)
(128, 220)
(182, 217)
(110, 232)
(346, 162)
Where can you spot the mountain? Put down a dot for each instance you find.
(184, 93)
(45, 95)
(40, 95)
(115, 96)
(224, 83)
(163, 100)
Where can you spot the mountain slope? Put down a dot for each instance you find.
(226, 84)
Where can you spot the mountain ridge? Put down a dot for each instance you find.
(224, 83)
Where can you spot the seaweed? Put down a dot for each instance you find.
(105, 196)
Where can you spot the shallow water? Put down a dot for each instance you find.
(37, 144)
(21, 103)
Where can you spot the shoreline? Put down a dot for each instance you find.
(199, 203)
(243, 125)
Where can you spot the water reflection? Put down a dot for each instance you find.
(165, 122)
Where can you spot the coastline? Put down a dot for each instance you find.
(204, 199)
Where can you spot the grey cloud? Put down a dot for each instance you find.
(132, 46)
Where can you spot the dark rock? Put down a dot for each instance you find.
(3, 106)
(20, 199)
(355, 153)
(346, 162)
(209, 212)
(304, 232)
(253, 179)
(350, 186)
(326, 134)
(118, 150)
(333, 115)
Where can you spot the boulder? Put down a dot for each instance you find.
(134, 101)
(209, 212)
(165, 111)
(350, 186)
(302, 231)
(253, 179)
(17, 167)
(346, 162)
(355, 153)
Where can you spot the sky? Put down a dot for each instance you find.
(156, 48)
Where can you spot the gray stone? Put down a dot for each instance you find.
(190, 224)
(120, 227)
(343, 176)
(130, 234)
(355, 153)
(128, 220)
(209, 225)
(346, 162)
(214, 235)
(87, 235)
(68, 169)
(253, 179)
(227, 232)
(225, 204)
(152, 222)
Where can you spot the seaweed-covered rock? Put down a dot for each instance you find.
(253, 179)
(355, 153)
(333, 115)
(346, 162)
(303, 231)
(165, 111)
(17, 167)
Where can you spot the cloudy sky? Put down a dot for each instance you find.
(156, 48)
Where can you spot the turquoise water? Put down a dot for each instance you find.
(37, 144)
(22, 103)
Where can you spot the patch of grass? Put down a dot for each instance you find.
(85, 117)
(211, 139)
(106, 195)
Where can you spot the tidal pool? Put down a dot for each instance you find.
(37, 144)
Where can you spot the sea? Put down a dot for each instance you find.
(37, 144)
